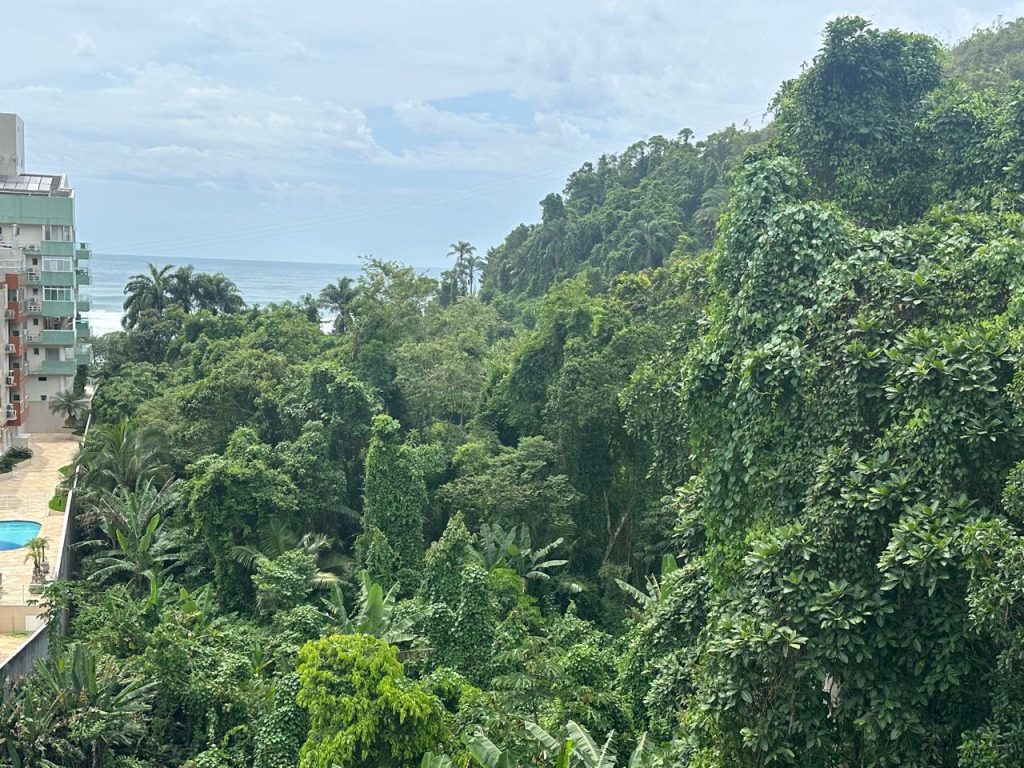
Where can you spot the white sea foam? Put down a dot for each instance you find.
(103, 321)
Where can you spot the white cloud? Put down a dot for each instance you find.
(82, 44)
(342, 103)
(168, 123)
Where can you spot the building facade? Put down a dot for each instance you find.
(44, 330)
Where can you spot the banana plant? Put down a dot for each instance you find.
(487, 755)
(430, 760)
(513, 549)
(655, 589)
(577, 749)
(586, 752)
(373, 615)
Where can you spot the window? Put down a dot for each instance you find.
(42, 397)
(57, 264)
(35, 262)
(53, 293)
(59, 232)
(35, 321)
(35, 351)
(42, 378)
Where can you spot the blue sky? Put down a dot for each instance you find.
(320, 130)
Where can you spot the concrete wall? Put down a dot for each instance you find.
(19, 618)
(39, 417)
(12, 145)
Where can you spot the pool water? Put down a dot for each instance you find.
(17, 533)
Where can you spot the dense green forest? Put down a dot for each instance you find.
(720, 464)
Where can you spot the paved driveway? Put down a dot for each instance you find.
(25, 494)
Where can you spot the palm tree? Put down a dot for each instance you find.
(337, 298)
(37, 554)
(133, 522)
(465, 264)
(146, 292)
(181, 287)
(68, 403)
(276, 538)
(217, 293)
(121, 455)
(651, 242)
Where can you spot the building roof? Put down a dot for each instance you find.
(35, 184)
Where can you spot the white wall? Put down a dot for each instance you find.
(41, 420)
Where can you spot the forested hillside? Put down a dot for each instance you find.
(721, 466)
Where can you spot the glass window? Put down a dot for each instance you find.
(55, 293)
(57, 265)
(60, 232)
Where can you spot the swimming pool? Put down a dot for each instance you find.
(17, 533)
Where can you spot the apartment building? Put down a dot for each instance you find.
(44, 330)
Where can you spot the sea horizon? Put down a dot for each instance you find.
(260, 282)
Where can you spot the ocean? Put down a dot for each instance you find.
(259, 282)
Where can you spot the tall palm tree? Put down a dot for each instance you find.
(181, 287)
(121, 455)
(465, 263)
(337, 299)
(69, 404)
(146, 291)
(217, 293)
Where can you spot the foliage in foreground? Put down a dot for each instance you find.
(720, 498)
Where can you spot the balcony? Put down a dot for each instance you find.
(57, 248)
(53, 367)
(13, 311)
(84, 276)
(83, 251)
(13, 414)
(61, 279)
(82, 328)
(51, 338)
(83, 355)
(84, 303)
(55, 309)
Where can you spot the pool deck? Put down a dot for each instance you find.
(25, 494)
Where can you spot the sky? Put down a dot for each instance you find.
(323, 130)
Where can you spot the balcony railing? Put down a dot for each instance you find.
(53, 367)
(51, 337)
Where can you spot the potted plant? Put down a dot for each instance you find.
(37, 554)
